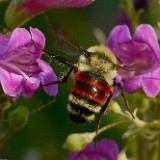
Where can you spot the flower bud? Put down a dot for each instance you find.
(122, 156)
(158, 24)
(115, 108)
(13, 16)
(19, 117)
(78, 141)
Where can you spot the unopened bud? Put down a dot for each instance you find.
(158, 24)
(115, 108)
(78, 141)
(122, 156)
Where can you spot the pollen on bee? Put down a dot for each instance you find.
(82, 64)
(84, 67)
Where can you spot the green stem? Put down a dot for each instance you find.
(133, 15)
(110, 126)
(158, 156)
(1, 118)
(8, 134)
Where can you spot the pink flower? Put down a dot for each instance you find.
(104, 150)
(21, 69)
(18, 13)
(140, 57)
(37, 6)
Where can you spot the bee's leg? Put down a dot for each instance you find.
(57, 57)
(61, 60)
(63, 79)
(102, 111)
(124, 98)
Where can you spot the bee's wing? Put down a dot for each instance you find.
(64, 43)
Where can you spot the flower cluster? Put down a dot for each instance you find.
(21, 69)
(138, 56)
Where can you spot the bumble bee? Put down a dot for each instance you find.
(92, 89)
(95, 78)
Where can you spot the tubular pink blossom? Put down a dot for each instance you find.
(37, 6)
(139, 57)
(21, 70)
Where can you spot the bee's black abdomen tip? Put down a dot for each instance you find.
(77, 119)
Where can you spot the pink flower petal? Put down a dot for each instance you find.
(131, 85)
(38, 37)
(20, 37)
(47, 76)
(137, 58)
(30, 87)
(145, 33)
(151, 83)
(12, 84)
(3, 44)
(120, 34)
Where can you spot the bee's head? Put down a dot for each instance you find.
(103, 52)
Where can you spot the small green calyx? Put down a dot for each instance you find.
(19, 117)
